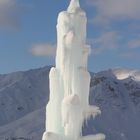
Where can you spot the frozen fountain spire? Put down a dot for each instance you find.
(68, 105)
(74, 4)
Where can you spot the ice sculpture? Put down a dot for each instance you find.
(68, 106)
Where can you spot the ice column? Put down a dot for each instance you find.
(68, 106)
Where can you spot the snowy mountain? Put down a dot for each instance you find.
(23, 97)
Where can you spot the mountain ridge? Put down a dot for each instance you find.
(24, 95)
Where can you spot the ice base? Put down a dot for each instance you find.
(53, 136)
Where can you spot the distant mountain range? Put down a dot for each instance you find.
(24, 95)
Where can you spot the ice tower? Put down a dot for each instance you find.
(68, 106)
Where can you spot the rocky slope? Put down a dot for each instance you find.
(23, 97)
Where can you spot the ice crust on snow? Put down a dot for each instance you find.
(68, 106)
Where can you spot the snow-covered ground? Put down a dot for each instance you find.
(116, 92)
(125, 73)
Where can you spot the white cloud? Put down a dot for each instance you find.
(115, 9)
(106, 41)
(130, 55)
(135, 43)
(43, 50)
(8, 13)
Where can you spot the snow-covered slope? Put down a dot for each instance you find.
(22, 93)
(23, 96)
(30, 127)
(125, 73)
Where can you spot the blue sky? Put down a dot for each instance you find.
(28, 33)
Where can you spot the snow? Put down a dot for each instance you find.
(16, 94)
(30, 126)
(95, 137)
(126, 73)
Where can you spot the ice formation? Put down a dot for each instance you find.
(68, 106)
